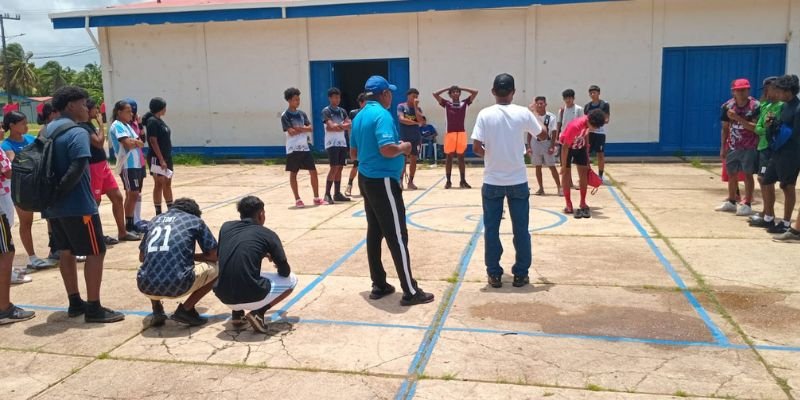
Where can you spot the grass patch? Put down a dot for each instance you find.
(681, 393)
(103, 356)
(275, 161)
(696, 162)
(449, 376)
(191, 159)
(453, 278)
(595, 388)
(548, 394)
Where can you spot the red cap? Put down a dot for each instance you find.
(740, 84)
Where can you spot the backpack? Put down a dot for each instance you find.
(33, 180)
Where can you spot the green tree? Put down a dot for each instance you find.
(91, 79)
(21, 70)
(52, 76)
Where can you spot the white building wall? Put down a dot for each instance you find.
(224, 81)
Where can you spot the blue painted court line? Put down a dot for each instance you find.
(562, 219)
(420, 361)
(616, 339)
(716, 333)
(338, 263)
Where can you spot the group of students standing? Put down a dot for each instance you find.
(762, 138)
(83, 174)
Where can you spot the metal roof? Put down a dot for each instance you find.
(200, 11)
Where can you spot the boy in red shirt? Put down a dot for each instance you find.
(575, 149)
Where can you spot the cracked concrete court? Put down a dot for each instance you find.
(655, 297)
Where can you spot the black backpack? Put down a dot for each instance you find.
(33, 180)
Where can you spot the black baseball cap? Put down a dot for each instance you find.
(503, 82)
(769, 81)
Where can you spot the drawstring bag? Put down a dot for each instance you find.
(595, 181)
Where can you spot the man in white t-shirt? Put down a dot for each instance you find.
(542, 147)
(499, 137)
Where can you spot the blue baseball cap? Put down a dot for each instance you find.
(132, 102)
(377, 84)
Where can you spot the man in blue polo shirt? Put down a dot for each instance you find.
(381, 158)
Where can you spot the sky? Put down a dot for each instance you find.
(44, 41)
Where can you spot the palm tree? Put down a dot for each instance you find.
(91, 79)
(52, 76)
(21, 70)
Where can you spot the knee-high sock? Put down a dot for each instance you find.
(137, 214)
(568, 196)
(583, 197)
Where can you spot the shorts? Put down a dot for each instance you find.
(455, 143)
(577, 156)
(763, 161)
(154, 161)
(278, 286)
(6, 241)
(540, 154)
(7, 208)
(742, 161)
(298, 160)
(782, 169)
(102, 179)
(337, 156)
(82, 235)
(597, 142)
(415, 141)
(133, 179)
(203, 274)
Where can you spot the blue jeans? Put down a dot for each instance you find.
(519, 206)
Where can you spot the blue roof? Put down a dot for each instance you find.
(220, 13)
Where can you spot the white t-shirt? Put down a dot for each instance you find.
(503, 129)
(568, 115)
(548, 123)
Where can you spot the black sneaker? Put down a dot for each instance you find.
(587, 212)
(102, 315)
(578, 213)
(237, 318)
(777, 228)
(464, 185)
(761, 223)
(520, 281)
(191, 317)
(15, 314)
(340, 197)
(496, 281)
(159, 316)
(76, 310)
(379, 293)
(328, 199)
(448, 185)
(257, 322)
(419, 298)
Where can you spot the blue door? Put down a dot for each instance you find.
(696, 81)
(325, 74)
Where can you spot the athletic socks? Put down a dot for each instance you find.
(328, 185)
(158, 209)
(337, 187)
(769, 218)
(129, 224)
(137, 213)
(583, 197)
(568, 197)
(169, 205)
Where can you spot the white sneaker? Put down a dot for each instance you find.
(726, 207)
(18, 276)
(744, 211)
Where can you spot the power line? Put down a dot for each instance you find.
(65, 55)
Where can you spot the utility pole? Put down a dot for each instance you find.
(6, 66)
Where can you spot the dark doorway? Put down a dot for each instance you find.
(350, 76)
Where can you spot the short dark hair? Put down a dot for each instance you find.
(334, 90)
(12, 117)
(412, 91)
(540, 98)
(453, 88)
(789, 83)
(597, 118)
(157, 104)
(67, 94)
(290, 92)
(362, 97)
(90, 104)
(249, 207)
(568, 93)
(594, 88)
(188, 206)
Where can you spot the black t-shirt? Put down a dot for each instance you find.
(603, 105)
(98, 153)
(790, 115)
(242, 246)
(158, 129)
